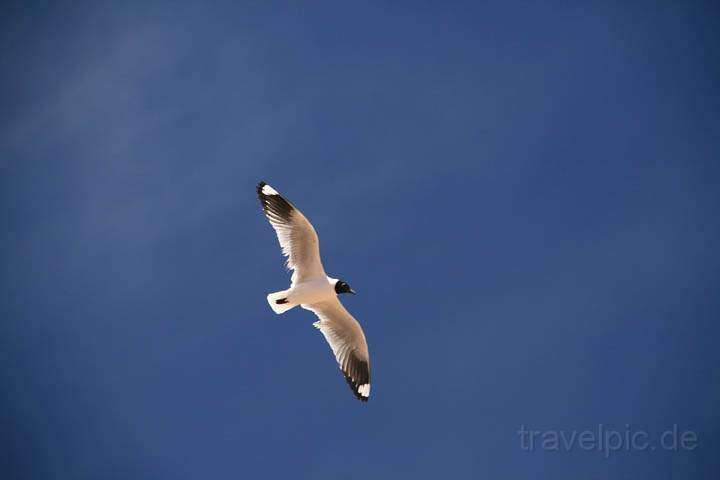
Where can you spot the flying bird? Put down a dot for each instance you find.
(314, 290)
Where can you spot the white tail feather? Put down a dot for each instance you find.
(279, 307)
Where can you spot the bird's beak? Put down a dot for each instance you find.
(353, 291)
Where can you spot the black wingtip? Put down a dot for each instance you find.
(354, 388)
(275, 206)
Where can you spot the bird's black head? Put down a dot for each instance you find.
(343, 287)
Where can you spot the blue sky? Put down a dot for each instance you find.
(523, 194)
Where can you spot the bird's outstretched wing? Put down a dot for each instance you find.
(347, 341)
(295, 233)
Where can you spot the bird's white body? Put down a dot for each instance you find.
(303, 293)
(312, 291)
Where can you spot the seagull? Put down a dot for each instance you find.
(314, 290)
